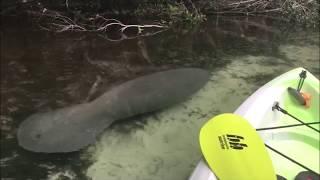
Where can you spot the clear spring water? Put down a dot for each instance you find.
(42, 71)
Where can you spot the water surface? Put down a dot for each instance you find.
(44, 71)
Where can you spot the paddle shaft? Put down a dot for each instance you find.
(287, 126)
(290, 159)
(277, 107)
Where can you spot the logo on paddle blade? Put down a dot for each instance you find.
(232, 141)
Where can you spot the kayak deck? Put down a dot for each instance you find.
(299, 143)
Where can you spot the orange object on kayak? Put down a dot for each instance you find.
(307, 98)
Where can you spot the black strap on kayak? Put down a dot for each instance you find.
(290, 159)
(277, 107)
(303, 76)
(286, 126)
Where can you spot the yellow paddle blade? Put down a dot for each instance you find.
(234, 150)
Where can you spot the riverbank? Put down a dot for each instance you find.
(303, 12)
(165, 12)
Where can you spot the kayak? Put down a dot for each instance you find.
(285, 113)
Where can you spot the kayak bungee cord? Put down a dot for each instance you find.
(290, 159)
(277, 107)
(286, 126)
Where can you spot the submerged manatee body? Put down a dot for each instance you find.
(72, 128)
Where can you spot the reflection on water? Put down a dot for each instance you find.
(42, 71)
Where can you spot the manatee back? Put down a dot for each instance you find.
(152, 92)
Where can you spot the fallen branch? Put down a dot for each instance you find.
(55, 21)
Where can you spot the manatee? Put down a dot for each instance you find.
(73, 128)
